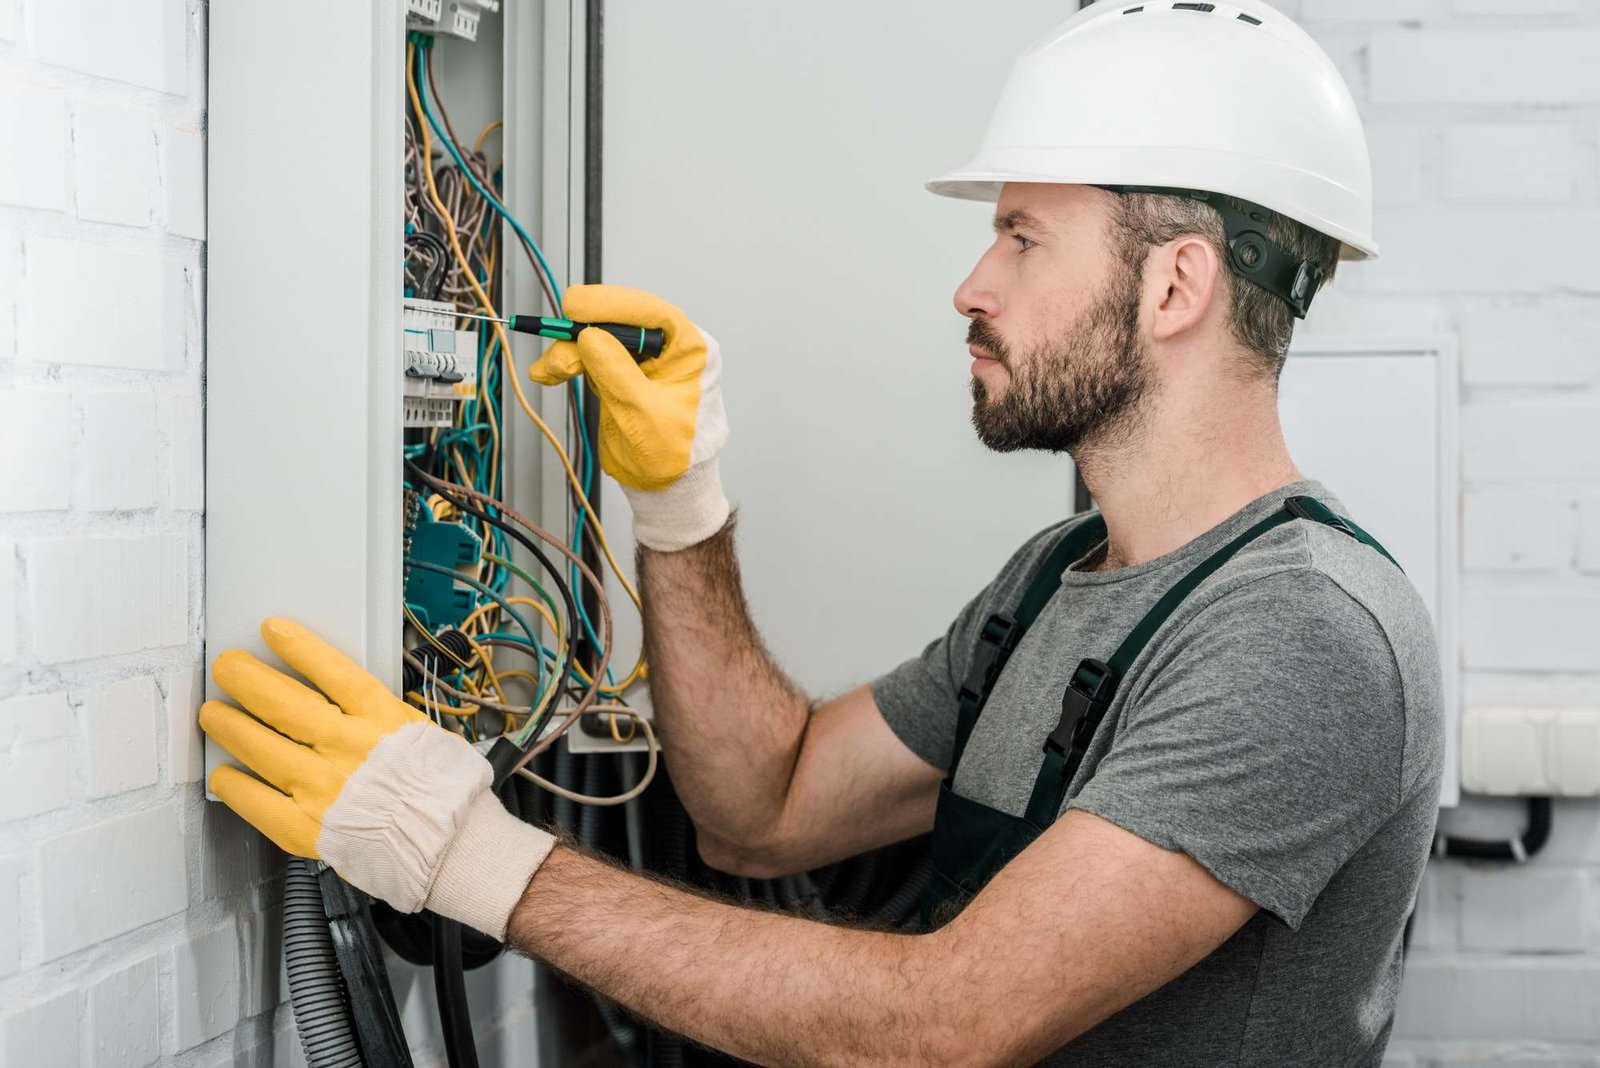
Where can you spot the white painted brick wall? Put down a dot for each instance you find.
(43, 1034)
(124, 1023)
(114, 149)
(119, 436)
(119, 731)
(122, 892)
(1509, 163)
(1485, 123)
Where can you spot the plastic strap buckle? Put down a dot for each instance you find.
(1083, 705)
(1314, 510)
(995, 642)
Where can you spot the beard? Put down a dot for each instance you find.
(1082, 387)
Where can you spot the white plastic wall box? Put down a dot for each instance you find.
(1522, 751)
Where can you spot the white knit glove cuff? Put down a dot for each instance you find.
(488, 866)
(685, 513)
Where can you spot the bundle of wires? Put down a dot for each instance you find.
(454, 207)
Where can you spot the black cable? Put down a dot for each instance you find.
(461, 503)
(593, 254)
(437, 269)
(450, 991)
(1519, 849)
(355, 943)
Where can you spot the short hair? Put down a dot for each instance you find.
(1262, 323)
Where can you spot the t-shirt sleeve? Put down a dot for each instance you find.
(1268, 744)
(919, 699)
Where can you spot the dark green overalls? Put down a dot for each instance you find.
(971, 841)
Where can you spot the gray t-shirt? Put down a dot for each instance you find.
(1283, 728)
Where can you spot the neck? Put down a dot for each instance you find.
(1183, 470)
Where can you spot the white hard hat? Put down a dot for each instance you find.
(1225, 98)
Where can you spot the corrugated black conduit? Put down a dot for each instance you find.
(316, 989)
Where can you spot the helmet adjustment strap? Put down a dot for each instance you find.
(1251, 254)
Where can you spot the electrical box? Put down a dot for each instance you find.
(1519, 751)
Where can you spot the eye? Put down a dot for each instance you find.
(1025, 242)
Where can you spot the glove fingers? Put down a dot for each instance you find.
(611, 369)
(258, 747)
(347, 684)
(560, 362)
(622, 304)
(268, 811)
(273, 697)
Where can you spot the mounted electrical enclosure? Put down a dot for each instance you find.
(312, 376)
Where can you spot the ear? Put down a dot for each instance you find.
(1187, 272)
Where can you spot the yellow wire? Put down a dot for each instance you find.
(505, 345)
(484, 136)
(455, 710)
(488, 666)
(483, 654)
(488, 307)
(638, 672)
(431, 640)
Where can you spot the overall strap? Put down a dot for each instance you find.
(1003, 630)
(1094, 683)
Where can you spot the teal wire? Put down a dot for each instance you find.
(422, 95)
(509, 609)
(588, 474)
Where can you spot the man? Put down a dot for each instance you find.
(1180, 759)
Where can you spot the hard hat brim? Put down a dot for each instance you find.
(971, 183)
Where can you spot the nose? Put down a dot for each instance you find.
(976, 297)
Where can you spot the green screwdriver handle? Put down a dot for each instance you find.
(643, 342)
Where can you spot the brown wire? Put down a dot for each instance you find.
(444, 117)
(577, 561)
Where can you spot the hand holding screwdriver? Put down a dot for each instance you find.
(662, 424)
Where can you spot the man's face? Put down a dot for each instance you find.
(1054, 312)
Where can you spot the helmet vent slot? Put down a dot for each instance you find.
(1250, 19)
(1134, 10)
(1194, 7)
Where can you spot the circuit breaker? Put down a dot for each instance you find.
(439, 362)
(455, 18)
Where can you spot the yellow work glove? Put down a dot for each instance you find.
(399, 807)
(662, 423)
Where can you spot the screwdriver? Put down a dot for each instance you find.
(643, 342)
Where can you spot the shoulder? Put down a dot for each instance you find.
(1311, 613)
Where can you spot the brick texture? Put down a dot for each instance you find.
(119, 944)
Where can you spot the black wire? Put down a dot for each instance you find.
(437, 269)
(450, 990)
(462, 504)
(1517, 849)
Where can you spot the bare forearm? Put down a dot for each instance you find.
(768, 988)
(730, 721)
